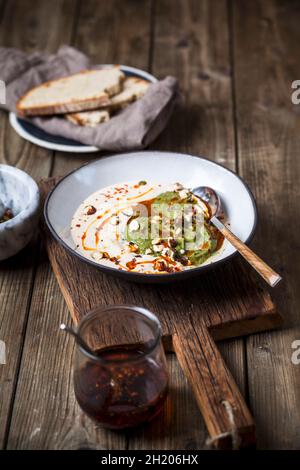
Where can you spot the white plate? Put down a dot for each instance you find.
(37, 136)
(161, 167)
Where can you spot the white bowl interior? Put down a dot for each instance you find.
(14, 193)
(161, 167)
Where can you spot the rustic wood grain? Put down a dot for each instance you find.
(46, 414)
(186, 311)
(262, 268)
(226, 298)
(203, 125)
(104, 32)
(223, 297)
(266, 40)
(22, 26)
(219, 117)
(170, 429)
(191, 42)
(225, 412)
(109, 23)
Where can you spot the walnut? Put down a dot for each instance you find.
(90, 210)
(160, 265)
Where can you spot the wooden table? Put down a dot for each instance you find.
(235, 61)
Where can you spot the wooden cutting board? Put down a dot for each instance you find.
(223, 303)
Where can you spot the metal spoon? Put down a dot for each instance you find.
(78, 338)
(209, 196)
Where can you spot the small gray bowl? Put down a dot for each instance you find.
(20, 193)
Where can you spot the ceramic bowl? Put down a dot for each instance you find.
(30, 132)
(160, 167)
(20, 193)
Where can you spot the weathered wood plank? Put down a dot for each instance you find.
(227, 300)
(218, 134)
(46, 414)
(171, 429)
(106, 35)
(16, 277)
(46, 26)
(2, 6)
(203, 125)
(103, 31)
(115, 32)
(266, 55)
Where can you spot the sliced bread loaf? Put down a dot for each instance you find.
(88, 118)
(133, 89)
(89, 89)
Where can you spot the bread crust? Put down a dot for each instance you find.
(72, 106)
(82, 118)
(115, 104)
(76, 118)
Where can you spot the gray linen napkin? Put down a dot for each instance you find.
(133, 128)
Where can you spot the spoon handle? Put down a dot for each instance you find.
(266, 272)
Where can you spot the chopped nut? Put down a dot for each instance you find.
(97, 255)
(7, 215)
(90, 210)
(167, 252)
(133, 247)
(160, 265)
(172, 242)
(171, 269)
(131, 264)
(183, 194)
(185, 261)
(178, 186)
(192, 198)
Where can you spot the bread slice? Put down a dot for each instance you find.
(133, 89)
(89, 89)
(88, 118)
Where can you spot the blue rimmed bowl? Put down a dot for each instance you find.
(28, 131)
(158, 167)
